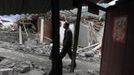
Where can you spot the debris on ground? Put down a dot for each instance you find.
(88, 51)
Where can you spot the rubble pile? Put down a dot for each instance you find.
(88, 73)
(91, 52)
(2, 58)
(31, 48)
(17, 66)
(96, 28)
(24, 66)
(11, 22)
(37, 50)
(68, 16)
(20, 66)
(9, 28)
(97, 23)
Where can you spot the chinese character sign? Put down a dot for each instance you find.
(119, 29)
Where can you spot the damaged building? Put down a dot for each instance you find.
(102, 41)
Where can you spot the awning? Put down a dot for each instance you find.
(30, 6)
(36, 6)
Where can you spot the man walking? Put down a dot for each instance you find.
(67, 42)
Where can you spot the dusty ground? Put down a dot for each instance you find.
(16, 58)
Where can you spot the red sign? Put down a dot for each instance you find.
(119, 29)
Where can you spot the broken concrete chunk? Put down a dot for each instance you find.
(91, 54)
(1, 58)
(25, 68)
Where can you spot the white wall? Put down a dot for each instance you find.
(62, 31)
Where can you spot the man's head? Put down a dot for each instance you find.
(66, 25)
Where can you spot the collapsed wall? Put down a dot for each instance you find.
(91, 31)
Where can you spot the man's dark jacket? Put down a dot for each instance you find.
(67, 41)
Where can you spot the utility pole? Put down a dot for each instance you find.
(56, 60)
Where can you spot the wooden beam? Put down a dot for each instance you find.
(93, 5)
(42, 30)
(20, 35)
(76, 34)
(55, 56)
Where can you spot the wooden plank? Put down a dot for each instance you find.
(55, 56)
(76, 34)
(93, 5)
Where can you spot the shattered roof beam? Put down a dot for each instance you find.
(94, 5)
(105, 1)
